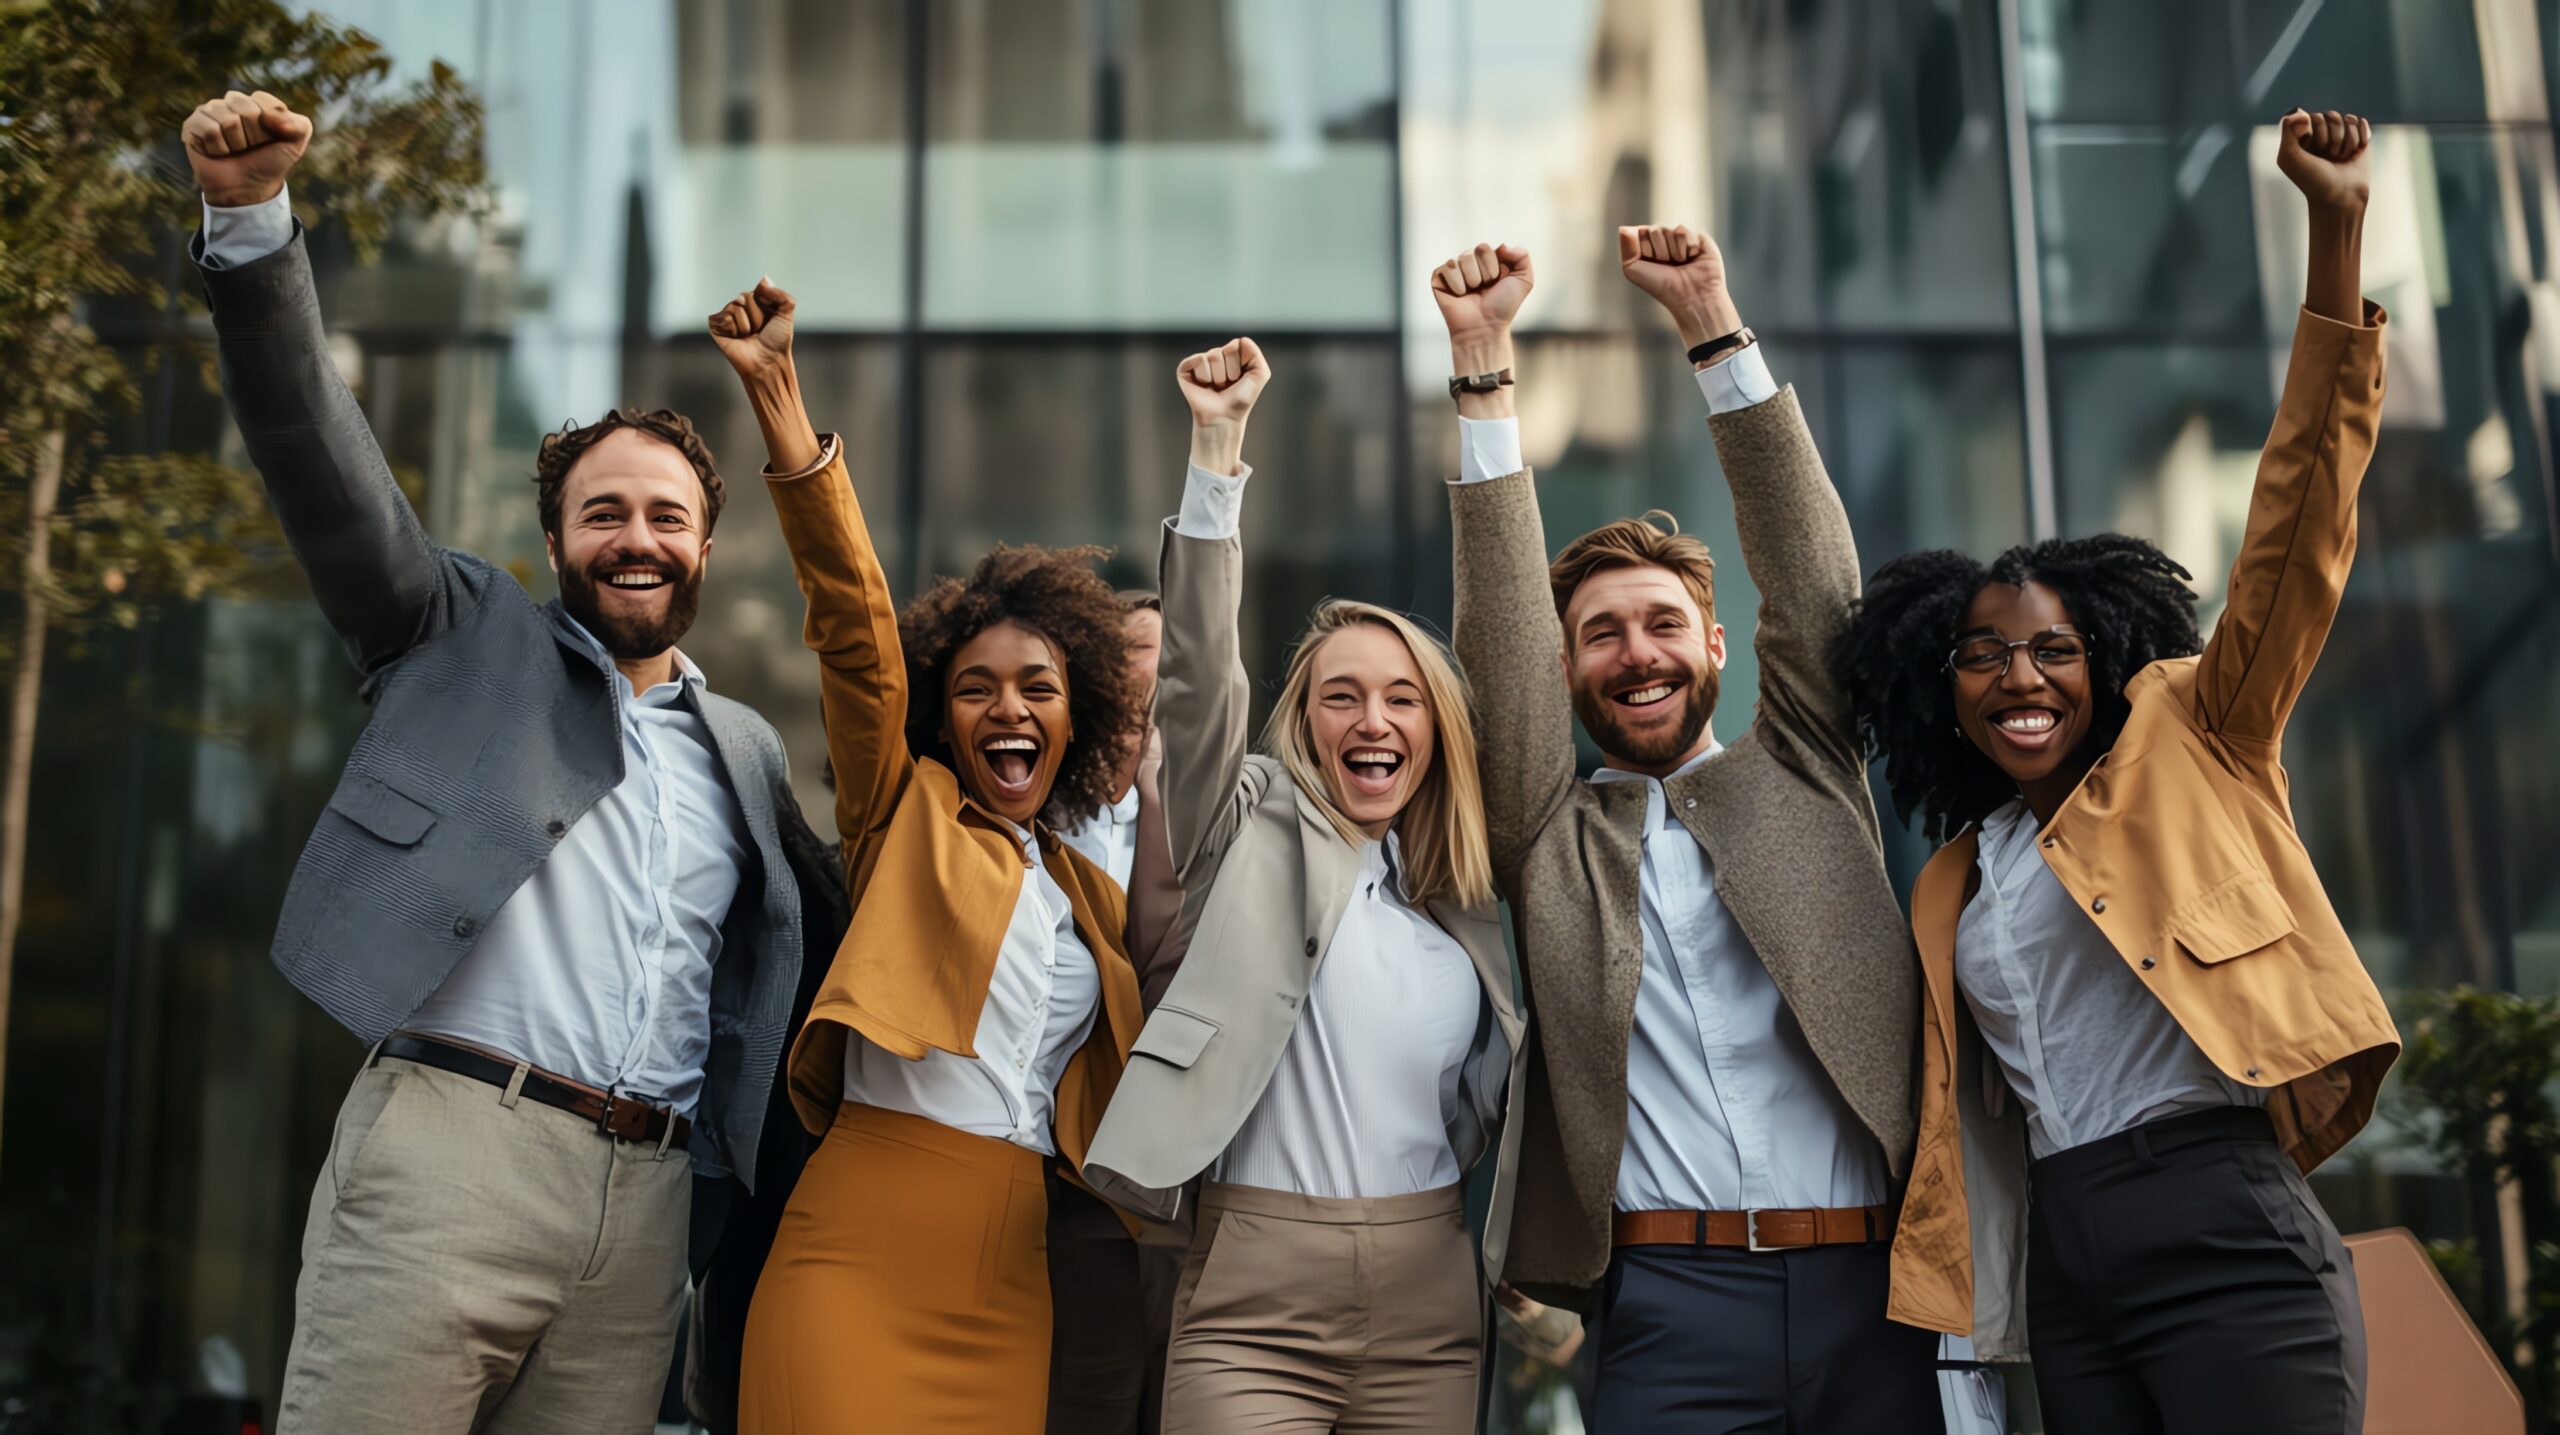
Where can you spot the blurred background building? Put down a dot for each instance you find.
(2026, 261)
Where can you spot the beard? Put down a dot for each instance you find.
(633, 639)
(1601, 718)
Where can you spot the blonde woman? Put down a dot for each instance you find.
(1336, 1050)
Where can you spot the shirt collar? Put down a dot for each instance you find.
(1386, 859)
(1125, 811)
(688, 677)
(1657, 811)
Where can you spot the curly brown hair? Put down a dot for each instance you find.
(561, 451)
(1056, 593)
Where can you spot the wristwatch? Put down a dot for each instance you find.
(1715, 348)
(1478, 383)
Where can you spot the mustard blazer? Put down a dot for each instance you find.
(2181, 844)
(933, 876)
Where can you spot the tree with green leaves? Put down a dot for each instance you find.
(93, 191)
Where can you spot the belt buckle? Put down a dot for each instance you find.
(616, 1107)
(1751, 1233)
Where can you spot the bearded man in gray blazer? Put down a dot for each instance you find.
(551, 891)
(1724, 999)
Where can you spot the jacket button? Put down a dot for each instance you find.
(1688, 802)
(2253, 1073)
(2048, 842)
(464, 926)
(2148, 964)
(2099, 905)
(1311, 946)
(556, 828)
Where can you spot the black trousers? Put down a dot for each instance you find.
(1111, 1310)
(2181, 1277)
(1707, 1340)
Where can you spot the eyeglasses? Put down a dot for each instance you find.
(2054, 651)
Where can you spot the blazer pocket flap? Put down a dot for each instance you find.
(2232, 920)
(370, 804)
(1174, 1037)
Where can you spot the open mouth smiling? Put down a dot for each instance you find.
(1011, 761)
(635, 580)
(1653, 693)
(1372, 770)
(2027, 728)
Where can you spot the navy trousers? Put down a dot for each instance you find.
(2182, 1278)
(1708, 1340)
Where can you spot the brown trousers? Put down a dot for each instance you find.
(908, 1289)
(1305, 1315)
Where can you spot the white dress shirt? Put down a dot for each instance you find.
(251, 232)
(1366, 1089)
(1041, 1003)
(1727, 1108)
(1109, 838)
(599, 967)
(2086, 1046)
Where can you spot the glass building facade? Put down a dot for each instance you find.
(2028, 263)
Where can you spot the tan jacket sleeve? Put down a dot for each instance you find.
(1507, 637)
(2292, 570)
(1155, 896)
(1203, 701)
(853, 628)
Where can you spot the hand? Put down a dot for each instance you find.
(1683, 271)
(754, 331)
(1479, 293)
(1222, 384)
(2324, 156)
(242, 146)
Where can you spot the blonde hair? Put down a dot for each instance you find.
(1440, 830)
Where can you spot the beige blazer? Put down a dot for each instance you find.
(1266, 877)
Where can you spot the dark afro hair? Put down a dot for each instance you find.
(1056, 593)
(2129, 597)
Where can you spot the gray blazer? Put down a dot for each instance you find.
(1783, 811)
(489, 737)
(1266, 878)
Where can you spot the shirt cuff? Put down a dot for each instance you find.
(1738, 382)
(1212, 503)
(1488, 448)
(233, 237)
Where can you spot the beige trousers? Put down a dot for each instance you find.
(1300, 1314)
(475, 1265)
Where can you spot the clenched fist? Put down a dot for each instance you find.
(754, 330)
(2324, 156)
(1220, 385)
(1683, 271)
(242, 146)
(1480, 292)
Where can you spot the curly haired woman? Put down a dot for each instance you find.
(980, 1010)
(2143, 951)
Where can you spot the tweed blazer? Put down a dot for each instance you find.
(1269, 878)
(490, 737)
(1783, 812)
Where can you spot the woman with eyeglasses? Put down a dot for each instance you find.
(2143, 1022)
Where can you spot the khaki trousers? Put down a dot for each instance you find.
(473, 1264)
(1301, 1314)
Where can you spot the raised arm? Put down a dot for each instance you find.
(852, 624)
(379, 579)
(1504, 629)
(2291, 572)
(1203, 698)
(1795, 535)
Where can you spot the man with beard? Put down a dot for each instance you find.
(1724, 994)
(551, 891)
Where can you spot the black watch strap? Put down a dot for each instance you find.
(1479, 383)
(1726, 344)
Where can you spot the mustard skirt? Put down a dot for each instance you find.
(908, 1288)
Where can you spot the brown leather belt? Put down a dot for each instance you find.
(620, 1117)
(1754, 1230)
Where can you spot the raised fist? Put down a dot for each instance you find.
(242, 146)
(754, 330)
(1480, 292)
(2324, 156)
(1683, 271)
(1221, 384)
